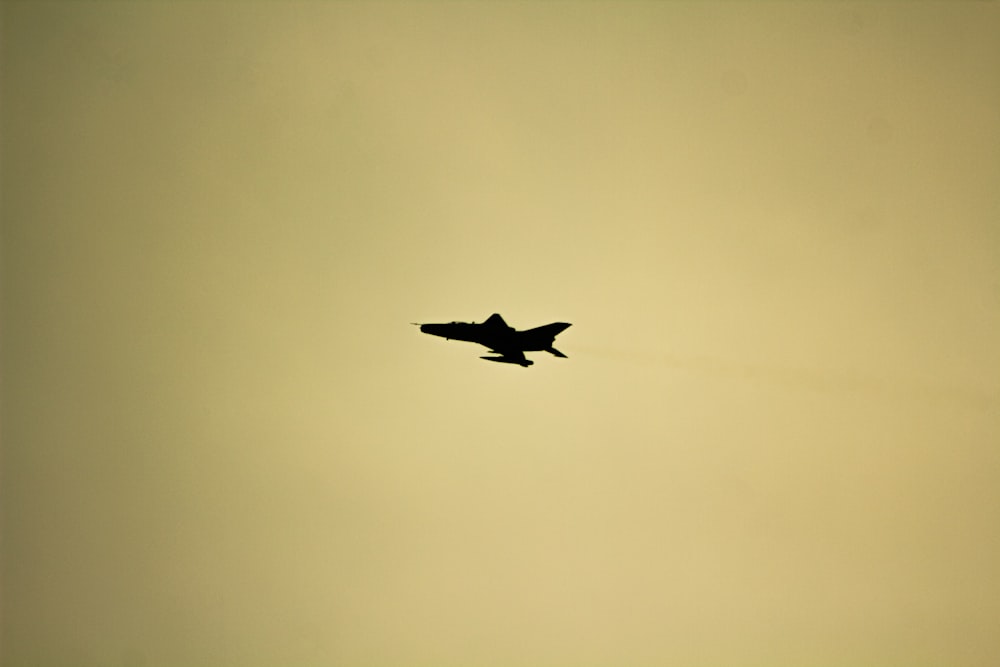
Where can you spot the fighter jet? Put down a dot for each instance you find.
(502, 339)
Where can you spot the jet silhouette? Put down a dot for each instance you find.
(502, 339)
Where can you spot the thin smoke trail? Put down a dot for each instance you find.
(834, 381)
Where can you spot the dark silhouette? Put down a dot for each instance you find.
(502, 339)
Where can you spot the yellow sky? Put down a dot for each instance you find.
(775, 228)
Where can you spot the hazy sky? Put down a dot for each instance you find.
(775, 229)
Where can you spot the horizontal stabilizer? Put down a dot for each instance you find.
(553, 329)
(552, 350)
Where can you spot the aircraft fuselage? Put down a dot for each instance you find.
(500, 338)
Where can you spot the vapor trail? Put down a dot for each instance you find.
(836, 381)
